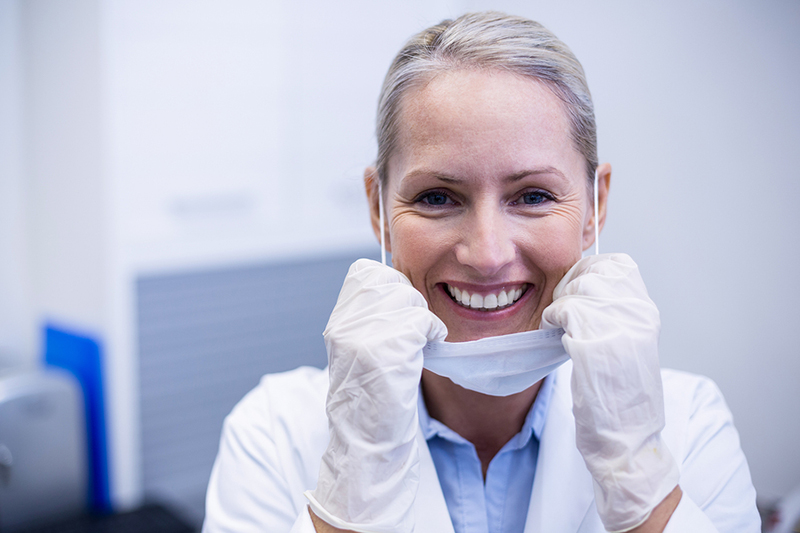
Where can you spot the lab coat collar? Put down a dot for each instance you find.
(563, 490)
(430, 508)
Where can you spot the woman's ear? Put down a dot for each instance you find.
(373, 200)
(603, 185)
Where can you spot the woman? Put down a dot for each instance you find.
(485, 174)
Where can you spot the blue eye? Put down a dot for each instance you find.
(434, 198)
(533, 198)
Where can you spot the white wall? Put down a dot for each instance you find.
(17, 331)
(63, 160)
(220, 133)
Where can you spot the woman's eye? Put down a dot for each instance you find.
(534, 198)
(434, 198)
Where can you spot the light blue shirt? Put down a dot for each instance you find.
(501, 504)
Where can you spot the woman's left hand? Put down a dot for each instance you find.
(611, 333)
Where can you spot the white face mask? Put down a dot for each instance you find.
(502, 365)
(498, 366)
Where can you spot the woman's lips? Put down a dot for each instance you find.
(488, 300)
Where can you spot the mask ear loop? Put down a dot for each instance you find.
(380, 216)
(596, 217)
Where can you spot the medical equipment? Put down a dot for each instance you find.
(369, 473)
(43, 473)
(785, 517)
(498, 366)
(611, 334)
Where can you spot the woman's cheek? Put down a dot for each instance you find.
(552, 248)
(413, 244)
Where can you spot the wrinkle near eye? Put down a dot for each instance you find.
(574, 217)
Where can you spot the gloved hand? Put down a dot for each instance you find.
(611, 333)
(369, 474)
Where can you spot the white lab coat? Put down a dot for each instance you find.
(273, 441)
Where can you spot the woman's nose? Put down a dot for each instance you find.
(486, 243)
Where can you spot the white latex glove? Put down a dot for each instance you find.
(369, 474)
(611, 333)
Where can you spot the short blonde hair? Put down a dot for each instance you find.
(488, 40)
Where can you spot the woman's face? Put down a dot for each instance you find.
(487, 200)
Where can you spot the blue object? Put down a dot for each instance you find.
(81, 356)
(500, 504)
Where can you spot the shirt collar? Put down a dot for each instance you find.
(533, 425)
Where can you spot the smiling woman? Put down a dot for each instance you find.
(485, 171)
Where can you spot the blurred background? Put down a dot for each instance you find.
(181, 196)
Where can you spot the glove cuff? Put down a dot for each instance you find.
(405, 525)
(369, 489)
(627, 494)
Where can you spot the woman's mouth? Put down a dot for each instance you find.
(488, 301)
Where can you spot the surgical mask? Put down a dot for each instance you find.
(498, 366)
(502, 365)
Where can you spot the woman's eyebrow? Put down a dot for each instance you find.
(432, 174)
(447, 178)
(534, 172)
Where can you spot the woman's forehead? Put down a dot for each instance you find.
(466, 118)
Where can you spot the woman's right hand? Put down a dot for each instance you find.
(369, 472)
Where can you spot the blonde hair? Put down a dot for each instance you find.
(488, 40)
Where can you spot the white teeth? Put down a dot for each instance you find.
(476, 301)
(489, 301)
(465, 298)
(502, 299)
